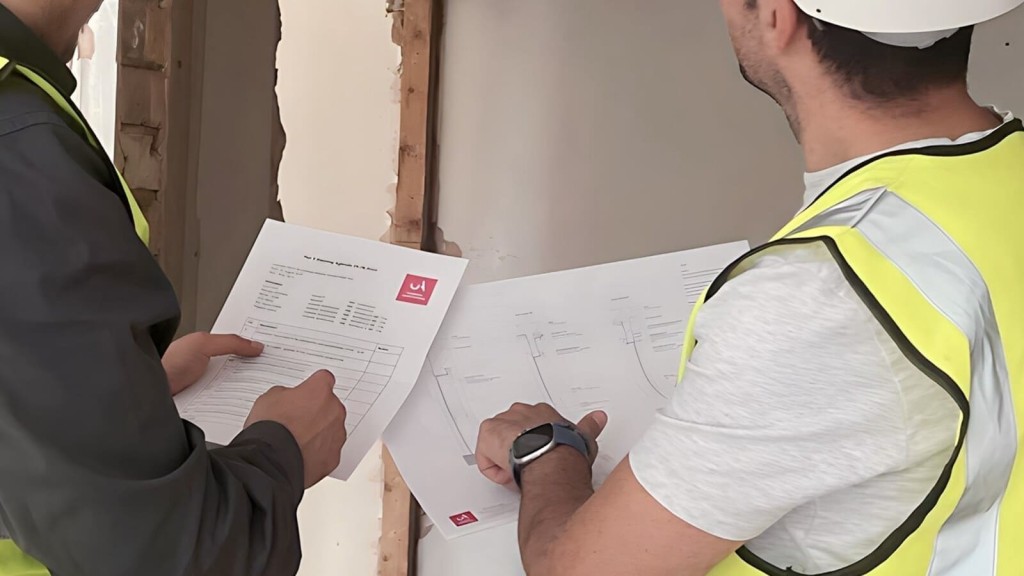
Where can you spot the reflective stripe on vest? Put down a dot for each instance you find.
(929, 240)
(14, 562)
(956, 288)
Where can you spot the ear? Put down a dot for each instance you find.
(782, 24)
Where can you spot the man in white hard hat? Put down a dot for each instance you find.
(852, 393)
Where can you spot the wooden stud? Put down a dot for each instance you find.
(417, 28)
(414, 138)
(400, 515)
(179, 257)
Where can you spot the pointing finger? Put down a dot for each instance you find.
(225, 344)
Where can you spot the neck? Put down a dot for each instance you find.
(835, 130)
(35, 15)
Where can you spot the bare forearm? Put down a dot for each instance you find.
(553, 489)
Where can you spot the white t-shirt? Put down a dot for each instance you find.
(799, 427)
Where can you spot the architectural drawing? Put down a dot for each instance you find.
(602, 338)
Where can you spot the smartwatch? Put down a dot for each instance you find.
(536, 442)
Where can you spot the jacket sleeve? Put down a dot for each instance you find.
(98, 473)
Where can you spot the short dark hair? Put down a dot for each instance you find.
(874, 72)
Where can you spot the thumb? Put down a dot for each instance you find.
(593, 424)
(225, 344)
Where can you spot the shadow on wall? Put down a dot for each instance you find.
(235, 188)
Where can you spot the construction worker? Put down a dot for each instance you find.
(852, 394)
(98, 474)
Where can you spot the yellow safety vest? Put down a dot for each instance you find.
(14, 562)
(931, 240)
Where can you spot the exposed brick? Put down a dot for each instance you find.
(143, 166)
(145, 30)
(144, 97)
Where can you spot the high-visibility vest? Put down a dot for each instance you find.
(931, 240)
(8, 67)
(14, 562)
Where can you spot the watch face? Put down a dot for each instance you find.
(533, 441)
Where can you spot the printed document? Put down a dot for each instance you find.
(366, 311)
(608, 337)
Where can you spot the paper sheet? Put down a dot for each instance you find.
(607, 337)
(366, 311)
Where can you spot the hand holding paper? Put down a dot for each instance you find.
(189, 356)
(364, 311)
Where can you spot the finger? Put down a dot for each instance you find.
(333, 461)
(225, 344)
(484, 454)
(482, 461)
(498, 475)
(593, 424)
(320, 378)
(493, 472)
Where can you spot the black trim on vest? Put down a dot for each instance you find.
(6, 70)
(116, 186)
(938, 150)
(889, 546)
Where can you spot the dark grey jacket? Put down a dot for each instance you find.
(98, 474)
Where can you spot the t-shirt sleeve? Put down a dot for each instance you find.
(787, 397)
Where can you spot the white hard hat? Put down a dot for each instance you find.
(919, 23)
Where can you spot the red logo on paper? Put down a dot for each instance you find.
(417, 290)
(463, 519)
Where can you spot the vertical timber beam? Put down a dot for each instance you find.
(399, 525)
(179, 252)
(417, 30)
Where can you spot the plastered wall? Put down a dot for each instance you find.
(585, 131)
(339, 108)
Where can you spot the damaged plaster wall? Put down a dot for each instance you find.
(339, 106)
(337, 92)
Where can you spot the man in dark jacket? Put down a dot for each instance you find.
(98, 474)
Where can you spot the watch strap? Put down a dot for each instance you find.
(562, 435)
